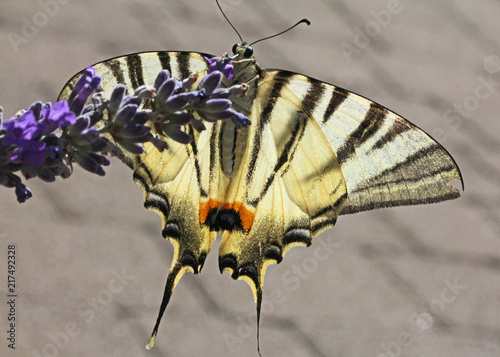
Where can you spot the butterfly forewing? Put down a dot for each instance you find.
(142, 68)
(385, 160)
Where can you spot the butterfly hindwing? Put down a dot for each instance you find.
(290, 180)
(176, 180)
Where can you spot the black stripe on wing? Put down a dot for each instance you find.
(135, 72)
(183, 63)
(264, 120)
(308, 105)
(367, 128)
(338, 97)
(164, 58)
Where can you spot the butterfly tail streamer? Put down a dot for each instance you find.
(258, 303)
(174, 275)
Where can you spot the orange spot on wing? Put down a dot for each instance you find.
(205, 207)
(247, 216)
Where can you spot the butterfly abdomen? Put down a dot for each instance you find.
(233, 143)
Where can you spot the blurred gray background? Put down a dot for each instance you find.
(416, 281)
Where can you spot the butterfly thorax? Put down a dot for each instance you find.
(233, 141)
(246, 71)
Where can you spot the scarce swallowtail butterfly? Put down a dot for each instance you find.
(313, 152)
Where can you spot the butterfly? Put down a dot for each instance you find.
(313, 152)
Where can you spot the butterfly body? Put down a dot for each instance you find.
(313, 151)
(234, 140)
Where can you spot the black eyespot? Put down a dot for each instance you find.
(234, 48)
(248, 52)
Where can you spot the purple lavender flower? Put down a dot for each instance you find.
(21, 140)
(125, 124)
(29, 144)
(85, 86)
(56, 116)
(26, 136)
(82, 142)
(22, 129)
(222, 64)
(171, 95)
(28, 152)
(214, 103)
(170, 101)
(239, 119)
(22, 192)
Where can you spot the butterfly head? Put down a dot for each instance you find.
(242, 51)
(245, 67)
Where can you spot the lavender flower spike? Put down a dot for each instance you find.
(85, 86)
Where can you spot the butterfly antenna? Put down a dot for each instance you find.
(234, 28)
(282, 32)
